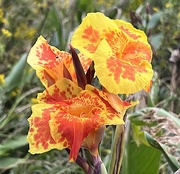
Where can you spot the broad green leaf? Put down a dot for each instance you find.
(140, 159)
(171, 159)
(164, 113)
(138, 135)
(165, 128)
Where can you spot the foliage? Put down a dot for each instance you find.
(153, 128)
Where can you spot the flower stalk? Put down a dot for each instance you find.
(117, 150)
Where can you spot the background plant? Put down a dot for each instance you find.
(21, 22)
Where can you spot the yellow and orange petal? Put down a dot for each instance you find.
(96, 26)
(131, 31)
(52, 64)
(76, 120)
(118, 104)
(64, 117)
(120, 52)
(49, 102)
(49, 62)
(126, 73)
(73, 131)
(49, 76)
(60, 91)
(39, 135)
(90, 33)
(113, 104)
(42, 55)
(85, 61)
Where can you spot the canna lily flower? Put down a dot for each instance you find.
(121, 53)
(51, 64)
(69, 117)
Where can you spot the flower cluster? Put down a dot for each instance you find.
(71, 112)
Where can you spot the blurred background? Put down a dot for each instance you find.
(23, 21)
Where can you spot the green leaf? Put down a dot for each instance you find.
(9, 162)
(140, 159)
(171, 159)
(12, 144)
(164, 113)
(138, 135)
(166, 126)
(112, 12)
(14, 79)
(155, 18)
(156, 40)
(56, 21)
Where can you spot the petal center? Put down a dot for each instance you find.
(80, 111)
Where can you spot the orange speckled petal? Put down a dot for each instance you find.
(118, 104)
(90, 32)
(49, 76)
(113, 115)
(61, 90)
(130, 30)
(42, 55)
(70, 132)
(85, 61)
(48, 61)
(136, 51)
(46, 56)
(39, 136)
(120, 74)
(72, 123)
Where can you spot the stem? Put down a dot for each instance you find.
(117, 150)
(83, 163)
(99, 167)
(103, 169)
(125, 164)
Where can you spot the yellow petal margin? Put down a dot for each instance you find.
(89, 33)
(130, 30)
(39, 135)
(60, 91)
